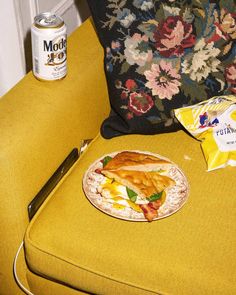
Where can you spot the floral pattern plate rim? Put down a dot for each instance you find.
(176, 196)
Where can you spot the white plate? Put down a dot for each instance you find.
(176, 196)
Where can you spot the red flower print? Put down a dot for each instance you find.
(230, 73)
(124, 95)
(225, 26)
(140, 103)
(129, 115)
(173, 36)
(130, 85)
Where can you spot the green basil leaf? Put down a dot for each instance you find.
(106, 160)
(131, 194)
(155, 197)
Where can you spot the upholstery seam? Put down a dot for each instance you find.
(94, 272)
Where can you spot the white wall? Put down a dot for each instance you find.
(16, 17)
(11, 55)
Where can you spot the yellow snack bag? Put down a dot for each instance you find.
(213, 122)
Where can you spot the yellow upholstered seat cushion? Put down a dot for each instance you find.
(190, 252)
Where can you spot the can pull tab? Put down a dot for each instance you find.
(50, 19)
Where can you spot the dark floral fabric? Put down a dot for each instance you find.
(162, 55)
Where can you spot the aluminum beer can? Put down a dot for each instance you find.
(49, 42)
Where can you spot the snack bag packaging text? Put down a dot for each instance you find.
(213, 122)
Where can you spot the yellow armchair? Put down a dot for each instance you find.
(70, 247)
(40, 123)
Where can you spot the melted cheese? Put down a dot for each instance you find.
(115, 193)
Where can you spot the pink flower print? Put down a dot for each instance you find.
(140, 103)
(163, 80)
(115, 45)
(173, 36)
(137, 50)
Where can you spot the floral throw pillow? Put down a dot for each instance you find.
(162, 55)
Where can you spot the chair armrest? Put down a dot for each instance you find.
(40, 123)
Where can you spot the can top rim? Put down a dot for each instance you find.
(48, 20)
